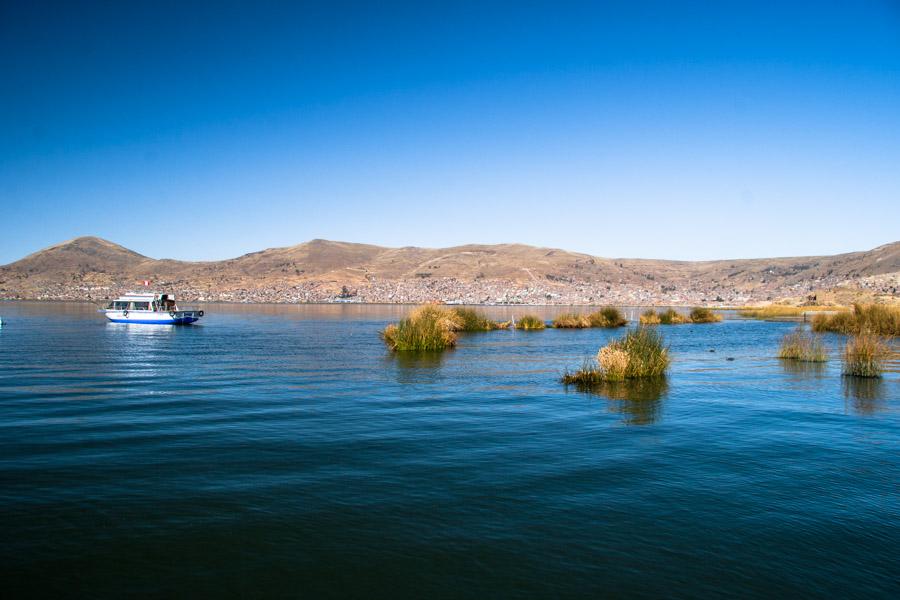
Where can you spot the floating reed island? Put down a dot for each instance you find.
(877, 319)
(864, 355)
(435, 327)
(802, 346)
(607, 317)
(640, 353)
(673, 317)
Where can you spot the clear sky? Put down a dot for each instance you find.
(625, 129)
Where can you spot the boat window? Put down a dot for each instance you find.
(120, 305)
(141, 306)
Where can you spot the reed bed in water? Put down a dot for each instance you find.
(775, 311)
(649, 317)
(435, 327)
(472, 320)
(672, 317)
(571, 321)
(428, 327)
(638, 354)
(864, 355)
(607, 317)
(530, 322)
(701, 314)
(877, 319)
(801, 346)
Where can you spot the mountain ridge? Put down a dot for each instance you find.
(94, 264)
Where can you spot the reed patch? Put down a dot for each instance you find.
(672, 317)
(471, 320)
(649, 317)
(428, 327)
(606, 317)
(571, 321)
(802, 346)
(700, 314)
(638, 354)
(530, 323)
(780, 311)
(877, 319)
(864, 355)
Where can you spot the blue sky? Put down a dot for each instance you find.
(624, 129)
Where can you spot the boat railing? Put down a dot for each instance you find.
(189, 309)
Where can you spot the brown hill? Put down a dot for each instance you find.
(81, 255)
(90, 262)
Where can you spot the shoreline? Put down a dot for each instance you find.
(814, 308)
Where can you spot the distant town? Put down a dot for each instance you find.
(451, 290)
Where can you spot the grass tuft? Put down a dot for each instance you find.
(639, 353)
(700, 314)
(571, 321)
(473, 320)
(649, 317)
(672, 317)
(530, 322)
(804, 347)
(429, 327)
(864, 355)
(608, 316)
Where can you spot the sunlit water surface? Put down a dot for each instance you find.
(281, 451)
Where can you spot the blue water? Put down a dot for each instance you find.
(281, 451)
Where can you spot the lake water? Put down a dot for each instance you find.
(281, 451)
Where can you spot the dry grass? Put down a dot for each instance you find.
(608, 316)
(613, 363)
(571, 321)
(429, 327)
(649, 317)
(640, 353)
(473, 320)
(864, 355)
(843, 322)
(776, 311)
(530, 322)
(877, 319)
(804, 347)
(672, 317)
(700, 314)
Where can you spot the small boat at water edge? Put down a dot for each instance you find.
(149, 308)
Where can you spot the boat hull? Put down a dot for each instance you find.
(181, 317)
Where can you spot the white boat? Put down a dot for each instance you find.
(149, 308)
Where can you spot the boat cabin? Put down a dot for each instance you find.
(151, 302)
